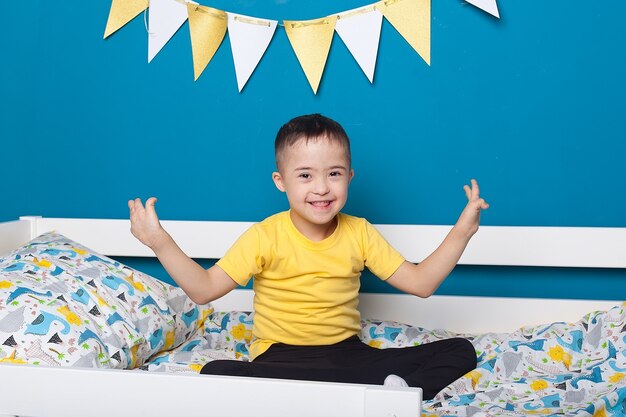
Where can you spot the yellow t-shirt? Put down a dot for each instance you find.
(306, 292)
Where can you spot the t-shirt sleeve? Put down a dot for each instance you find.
(380, 257)
(243, 259)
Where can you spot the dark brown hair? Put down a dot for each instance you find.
(310, 127)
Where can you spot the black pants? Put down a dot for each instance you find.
(431, 366)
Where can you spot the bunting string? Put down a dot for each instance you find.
(208, 10)
(250, 21)
(359, 29)
(356, 12)
(305, 23)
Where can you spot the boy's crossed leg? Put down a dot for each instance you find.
(431, 366)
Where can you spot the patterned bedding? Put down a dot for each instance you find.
(62, 304)
(576, 369)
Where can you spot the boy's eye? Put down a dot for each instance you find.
(335, 173)
(304, 175)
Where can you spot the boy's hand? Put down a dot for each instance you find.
(470, 217)
(144, 222)
(424, 278)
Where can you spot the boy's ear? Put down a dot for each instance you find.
(278, 181)
(351, 175)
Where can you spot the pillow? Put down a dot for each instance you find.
(190, 357)
(62, 304)
(230, 331)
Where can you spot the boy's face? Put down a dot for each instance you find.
(315, 176)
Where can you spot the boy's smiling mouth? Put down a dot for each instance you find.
(322, 204)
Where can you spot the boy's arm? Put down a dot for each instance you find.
(201, 285)
(424, 278)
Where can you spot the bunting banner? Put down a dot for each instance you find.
(359, 29)
(249, 38)
(489, 6)
(311, 40)
(412, 20)
(122, 12)
(207, 27)
(165, 18)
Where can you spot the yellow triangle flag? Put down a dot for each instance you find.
(207, 27)
(122, 12)
(411, 18)
(311, 40)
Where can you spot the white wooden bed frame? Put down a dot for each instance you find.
(190, 395)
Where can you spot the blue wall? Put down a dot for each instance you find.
(532, 105)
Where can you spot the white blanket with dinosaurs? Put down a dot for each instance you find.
(575, 369)
(62, 304)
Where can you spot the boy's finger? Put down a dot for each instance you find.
(151, 201)
(138, 204)
(475, 189)
(468, 192)
(134, 206)
(481, 204)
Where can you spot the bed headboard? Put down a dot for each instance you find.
(580, 247)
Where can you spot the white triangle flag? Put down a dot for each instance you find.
(490, 6)
(359, 29)
(249, 39)
(165, 17)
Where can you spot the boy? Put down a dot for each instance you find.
(307, 263)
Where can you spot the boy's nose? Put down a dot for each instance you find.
(321, 187)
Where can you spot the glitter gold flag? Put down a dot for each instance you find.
(207, 27)
(311, 40)
(122, 12)
(411, 18)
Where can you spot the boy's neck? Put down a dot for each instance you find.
(313, 232)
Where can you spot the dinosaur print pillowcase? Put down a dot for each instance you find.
(62, 304)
